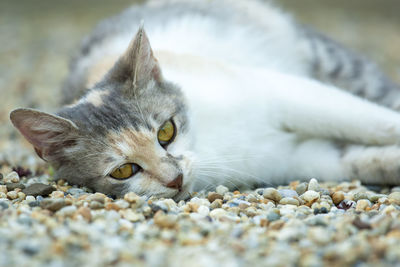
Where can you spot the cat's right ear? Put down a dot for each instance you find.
(46, 132)
(137, 65)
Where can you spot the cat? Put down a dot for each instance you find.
(228, 92)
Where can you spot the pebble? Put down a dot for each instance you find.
(13, 186)
(301, 188)
(217, 213)
(3, 189)
(310, 196)
(85, 213)
(394, 198)
(12, 195)
(362, 204)
(165, 220)
(221, 190)
(313, 185)
(94, 204)
(12, 177)
(67, 211)
(131, 197)
(288, 193)
(337, 197)
(360, 195)
(38, 189)
(289, 200)
(272, 193)
(52, 204)
(213, 196)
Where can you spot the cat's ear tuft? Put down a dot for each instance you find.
(137, 64)
(46, 132)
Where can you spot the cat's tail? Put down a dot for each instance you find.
(330, 62)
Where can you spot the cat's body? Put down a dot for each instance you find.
(245, 103)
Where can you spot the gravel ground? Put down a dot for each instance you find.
(301, 224)
(44, 223)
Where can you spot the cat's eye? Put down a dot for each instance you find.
(166, 133)
(125, 171)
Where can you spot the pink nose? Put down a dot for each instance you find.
(176, 183)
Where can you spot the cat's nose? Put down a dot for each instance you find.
(176, 183)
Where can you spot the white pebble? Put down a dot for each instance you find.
(203, 210)
(313, 185)
(310, 196)
(12, 177)
(221, 189)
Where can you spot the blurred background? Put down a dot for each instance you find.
(37, 38)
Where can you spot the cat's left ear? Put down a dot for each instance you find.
(138, 64)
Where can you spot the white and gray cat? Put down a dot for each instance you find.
(231, 92)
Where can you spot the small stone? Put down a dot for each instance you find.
(13, 186)
(360, 195)
(216, 204)
(301, 188)
(165, 220)
(3, 189)
(67, 211)
(30, 199)
(111, 206)
(213, 196)
(337, 197)
(310, 196)
(394, 198)
(21, 195)
(12, 177)
(122, 204)
(76, 192)
(95, 205)
(221, 190)
(203, 210)
(57, 194)
(12, 195)
(85, 212)
(131, 197)
(3, 205)
(53, 204)
(217, 213)
(3, 195)
(97, 197)
(289, 200)
(288, 193)
(273, 216)
(132, 216)
(38, 189)
(272, 193)
(362, 204)
(313, 185)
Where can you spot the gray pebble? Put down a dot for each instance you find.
(288, 193)
(12, 186)
(3, 205)
(52, 204)
(273, 216)
(38, 189)
(360, 195)
(301, 188)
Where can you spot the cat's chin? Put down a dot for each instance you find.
(182, 195)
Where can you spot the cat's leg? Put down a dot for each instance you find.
(332, 63)
(330, 161)
(372, 165)
(317, 110)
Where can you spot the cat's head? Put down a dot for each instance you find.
(129, 133)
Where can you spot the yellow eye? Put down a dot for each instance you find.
(166, 134)
(125, 171)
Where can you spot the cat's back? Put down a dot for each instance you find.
(235, 31)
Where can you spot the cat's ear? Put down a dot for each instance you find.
(47, 133)
(137, 64)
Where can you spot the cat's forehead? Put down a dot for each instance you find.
(108, 108)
